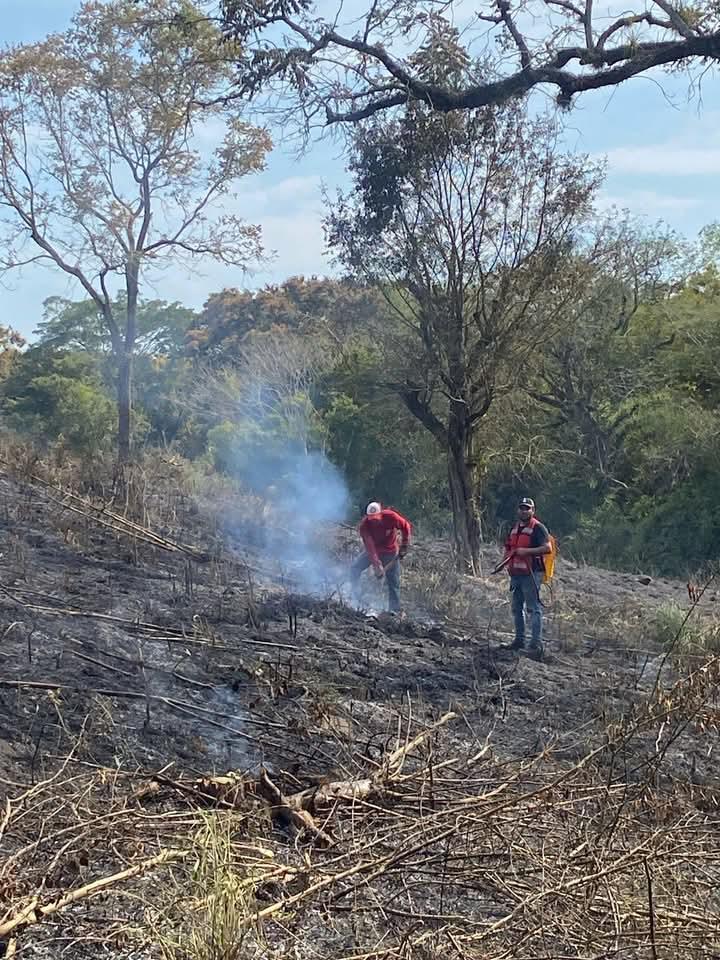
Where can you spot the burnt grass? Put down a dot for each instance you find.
(128, 669)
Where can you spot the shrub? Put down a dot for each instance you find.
(671, 627)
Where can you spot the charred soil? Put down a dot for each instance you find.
(198, 762)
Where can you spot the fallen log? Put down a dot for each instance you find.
(298, 810)
(365, 788)
(289, 813)
(337, 791)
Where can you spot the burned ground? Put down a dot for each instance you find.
(435, 795)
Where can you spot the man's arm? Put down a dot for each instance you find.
(369, 544)
(533, 551)
(540, 534)
(405, 528)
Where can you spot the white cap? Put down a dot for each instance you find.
(372, 508)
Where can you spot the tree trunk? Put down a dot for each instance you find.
(466, 523)
(124, 395)
(125, 362)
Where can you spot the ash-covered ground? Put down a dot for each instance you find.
(536, 821)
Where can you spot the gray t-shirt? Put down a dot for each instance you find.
(539, 538)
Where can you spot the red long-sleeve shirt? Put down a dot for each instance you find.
(379, 532)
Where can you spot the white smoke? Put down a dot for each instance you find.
(272, 438)
(304, 503)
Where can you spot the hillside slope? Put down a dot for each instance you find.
(198, 761)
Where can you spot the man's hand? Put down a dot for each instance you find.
(402, 552)
(523, 552)
(503, 563)
(379, 572)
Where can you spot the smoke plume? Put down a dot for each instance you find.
(270, 438)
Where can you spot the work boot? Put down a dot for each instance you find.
(535, 651)
(517, 644)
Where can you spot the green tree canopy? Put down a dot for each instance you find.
(479, 233)
(79, 325)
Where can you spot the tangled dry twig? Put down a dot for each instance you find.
(441, 848)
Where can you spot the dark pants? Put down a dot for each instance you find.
(525, 589)
(392, 578)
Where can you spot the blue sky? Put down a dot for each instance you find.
(663, 155)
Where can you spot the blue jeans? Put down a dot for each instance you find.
(525, 589)
(392, 578)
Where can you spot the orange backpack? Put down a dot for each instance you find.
(550, 558)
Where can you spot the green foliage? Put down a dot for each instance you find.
(686, 331)
(161, 371)
(80, 325)
(59, 397)
(159, 382)
(382, 450)
(222, 446)
(660, 515)
(384, 455)
(617, 435)
(660, 518)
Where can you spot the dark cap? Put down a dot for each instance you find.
(527, 502)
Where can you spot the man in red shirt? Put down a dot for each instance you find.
(380, 530)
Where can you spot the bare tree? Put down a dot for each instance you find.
(347, 67)
(472, 227)
(270, 384)
(102, 174)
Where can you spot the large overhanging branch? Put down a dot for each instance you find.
(315, 54)
(611, 68)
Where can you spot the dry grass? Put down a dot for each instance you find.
(671, 626)
(451, 850)
(432, 586)
(210, 897)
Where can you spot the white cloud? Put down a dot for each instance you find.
(649, 203)
(298, 242)
(290, 212)
(286, 195)
(665, 159)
